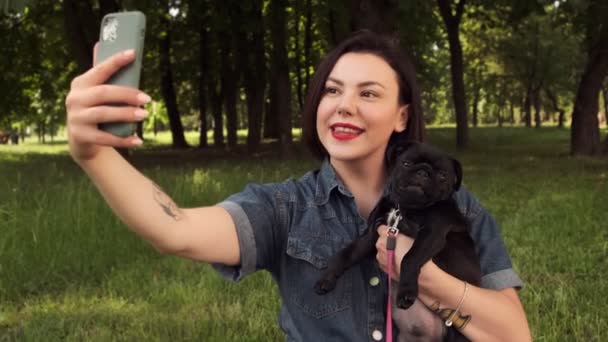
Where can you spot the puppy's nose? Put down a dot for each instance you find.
(422, 173)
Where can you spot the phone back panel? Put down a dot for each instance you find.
(119, 32)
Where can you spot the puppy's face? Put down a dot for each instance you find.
(421, 175)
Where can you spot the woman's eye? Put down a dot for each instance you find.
(330, 90)
(368, 94)
(442, 175)
(407, 163)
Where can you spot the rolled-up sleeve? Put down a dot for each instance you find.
(496, 267)
(256, 215)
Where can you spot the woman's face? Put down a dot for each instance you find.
(360, 108)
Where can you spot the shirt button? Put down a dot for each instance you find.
(377, 335)
(374, 281)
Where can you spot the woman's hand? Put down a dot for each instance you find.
(403, 245)
(86, 106)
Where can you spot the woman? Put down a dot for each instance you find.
(362, 98)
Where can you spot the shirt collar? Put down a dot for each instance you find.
(328, 181)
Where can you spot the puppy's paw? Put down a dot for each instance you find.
(325, 286)
(407, 294)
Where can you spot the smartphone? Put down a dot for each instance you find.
(119, 32)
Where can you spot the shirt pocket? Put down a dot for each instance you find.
(307, 260)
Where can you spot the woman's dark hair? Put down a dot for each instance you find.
(389, 50)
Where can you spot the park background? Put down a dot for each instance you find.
(516, 89)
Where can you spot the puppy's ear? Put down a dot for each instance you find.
(457, 174)
(394, 150)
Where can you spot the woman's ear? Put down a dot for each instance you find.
(403, 118)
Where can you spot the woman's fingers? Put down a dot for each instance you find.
(95, 49)
(97, 137)
(99, 114)
(104, 70)
(381, 247)
(107, 93)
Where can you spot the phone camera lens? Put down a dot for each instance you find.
(109, 32)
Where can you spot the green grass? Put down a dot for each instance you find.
(69, 270)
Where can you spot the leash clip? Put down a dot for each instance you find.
(394, 217)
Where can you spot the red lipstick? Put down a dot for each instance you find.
(345, 131)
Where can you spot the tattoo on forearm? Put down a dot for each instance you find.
(459, 320)
(166, 203)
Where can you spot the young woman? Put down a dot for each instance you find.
(362, 98)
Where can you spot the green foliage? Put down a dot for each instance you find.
(508, 45)
(36, 69)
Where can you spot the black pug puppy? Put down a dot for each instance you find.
(421, 183)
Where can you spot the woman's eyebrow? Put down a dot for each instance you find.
(362, 84)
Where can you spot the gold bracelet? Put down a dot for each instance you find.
(459, 322)
(450, 320)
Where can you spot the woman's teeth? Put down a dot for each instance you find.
(346, 130)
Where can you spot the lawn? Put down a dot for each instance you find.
(69, 270)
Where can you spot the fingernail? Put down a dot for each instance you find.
(143, 98)
(140, 113)
(129, 52)
(137, 142)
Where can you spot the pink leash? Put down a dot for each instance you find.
(389, 311)
(393, 220)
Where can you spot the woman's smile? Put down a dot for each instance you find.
(345, 131)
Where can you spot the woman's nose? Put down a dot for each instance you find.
(347, 105)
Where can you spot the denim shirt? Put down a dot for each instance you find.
(291, 229)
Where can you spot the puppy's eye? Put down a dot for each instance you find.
(406, 163)
(442, 176)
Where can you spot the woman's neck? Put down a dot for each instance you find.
(365, 179)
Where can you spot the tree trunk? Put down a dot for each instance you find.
(499, 115)
(282, 95)
(331, 19)
(107, 6)
(536, 102)
(375, 15)
(474, 105)
(308, 44)
(229, 86)
(585, 131)
(271, 114)
(218, 122)
(253, 63)
(298, 56)
(452, 23)
(202, 85)
(167, 89)
(41, 131)
(551, 96)
(139, 130)
(605, 93)
(528, 106)
(82, 30)
(512, 112)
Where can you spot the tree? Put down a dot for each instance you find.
(166, 80)
(82, 27)
(452, 19)
(585, 135)
(279, 71)
(375, 15)
(252, 61)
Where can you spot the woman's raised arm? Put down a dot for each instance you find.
(205, 234)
